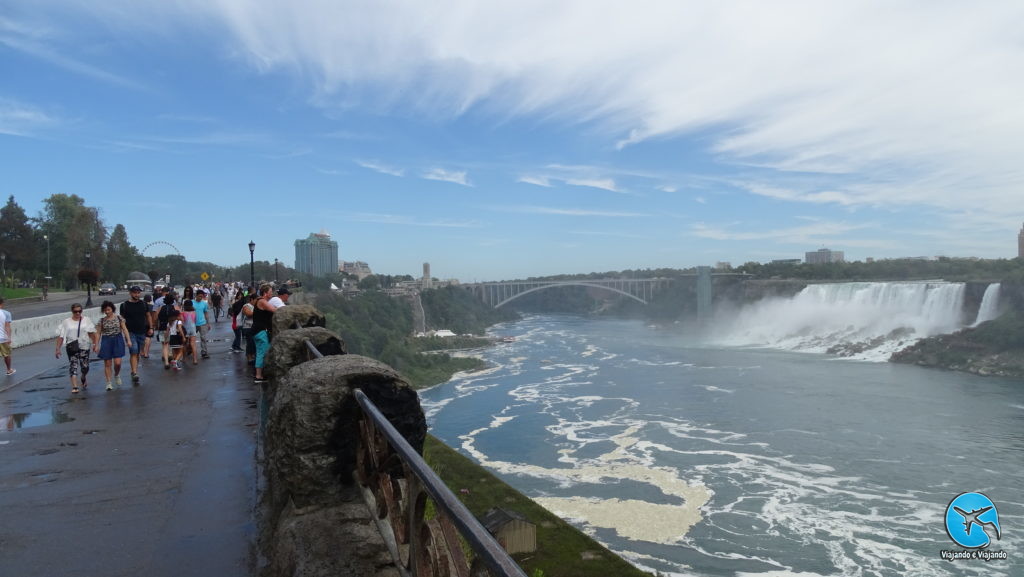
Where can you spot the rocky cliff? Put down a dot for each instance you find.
(994, 348)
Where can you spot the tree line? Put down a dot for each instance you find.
(70, 242)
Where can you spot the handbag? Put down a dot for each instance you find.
(73, 347)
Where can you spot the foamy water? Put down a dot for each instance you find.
(697, 461)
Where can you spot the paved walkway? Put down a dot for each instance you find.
(156, 480)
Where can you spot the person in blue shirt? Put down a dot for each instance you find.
(202, 307)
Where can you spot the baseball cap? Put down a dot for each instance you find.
(284, 291)
(135, 289)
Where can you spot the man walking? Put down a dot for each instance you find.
(202, 307)
(136, 317)
(5, 337)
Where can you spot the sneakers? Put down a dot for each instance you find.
(11, 372)
(167, 366)
(206, 355)
(110, 386)
(117, 380)
(259, 381)
(135, 379)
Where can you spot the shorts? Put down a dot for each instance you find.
(5, 349)
(136, 341)
(112, 347)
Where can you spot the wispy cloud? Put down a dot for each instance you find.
(814, 232)
(809, 100)
(456, 176)
(18, 119)
(610, 233)
(568, 211)
(43, 45)
(213, 139)
(537, 180)
(602, 183)
(381, 168)
(403, 220)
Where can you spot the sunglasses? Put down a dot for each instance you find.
(77, 312)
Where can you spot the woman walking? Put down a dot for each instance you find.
(80, 334)
(113, 340)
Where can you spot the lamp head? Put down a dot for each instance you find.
(252, 246)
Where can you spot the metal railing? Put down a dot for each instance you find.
(395, 482)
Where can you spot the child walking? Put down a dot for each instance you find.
(188, 319)
(175, 338)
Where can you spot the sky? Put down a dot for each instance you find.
(503, 140)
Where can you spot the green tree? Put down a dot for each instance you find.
(74, 229)
(121, 257)
(17, 240)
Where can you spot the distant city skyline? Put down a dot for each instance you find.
(515, 139)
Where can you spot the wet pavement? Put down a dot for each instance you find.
(154, 480)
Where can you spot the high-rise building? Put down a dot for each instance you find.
(1020, 243)
(823, 256)
(316, 255)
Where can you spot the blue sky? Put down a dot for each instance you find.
(502, 140)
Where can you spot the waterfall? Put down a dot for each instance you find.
(862, 320)
(989, 305)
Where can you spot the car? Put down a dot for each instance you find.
(107, 288)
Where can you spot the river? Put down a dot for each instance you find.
(703, 460)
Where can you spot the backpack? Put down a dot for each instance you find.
(163, 315)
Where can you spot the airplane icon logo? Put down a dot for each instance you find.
(969, 517)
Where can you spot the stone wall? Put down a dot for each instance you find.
(314, 521)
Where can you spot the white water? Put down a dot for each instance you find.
(989, 305)
(867, 321)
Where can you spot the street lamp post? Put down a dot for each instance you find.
(3, 260)
(88, 286)
(46, 287)
(275, 271)
(252, 265)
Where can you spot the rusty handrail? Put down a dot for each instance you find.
(497, 560)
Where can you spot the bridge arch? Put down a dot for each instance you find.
(569, 283)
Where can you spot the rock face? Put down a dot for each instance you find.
(994, 348)
(315, 522)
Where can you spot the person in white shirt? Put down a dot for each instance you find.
(5, 337)
(80, 334)
(282, 297)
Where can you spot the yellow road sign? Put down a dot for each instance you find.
(204, 276)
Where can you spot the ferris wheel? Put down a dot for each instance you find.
(160, 242)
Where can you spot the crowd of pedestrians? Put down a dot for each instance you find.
(179, 323)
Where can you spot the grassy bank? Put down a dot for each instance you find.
(563, 550)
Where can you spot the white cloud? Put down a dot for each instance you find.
(888, 103)
(602, 183)
(568, 211)
(537, 180)
(381, 168)
(18, 119)
(456, 176)
(815, 232)
(404, 220)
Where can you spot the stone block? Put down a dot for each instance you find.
(312, 426)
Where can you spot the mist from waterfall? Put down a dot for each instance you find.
(862, 320)
(989, 304)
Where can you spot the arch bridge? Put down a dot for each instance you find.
(498, 294)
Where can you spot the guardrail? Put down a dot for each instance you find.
(395, 482)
